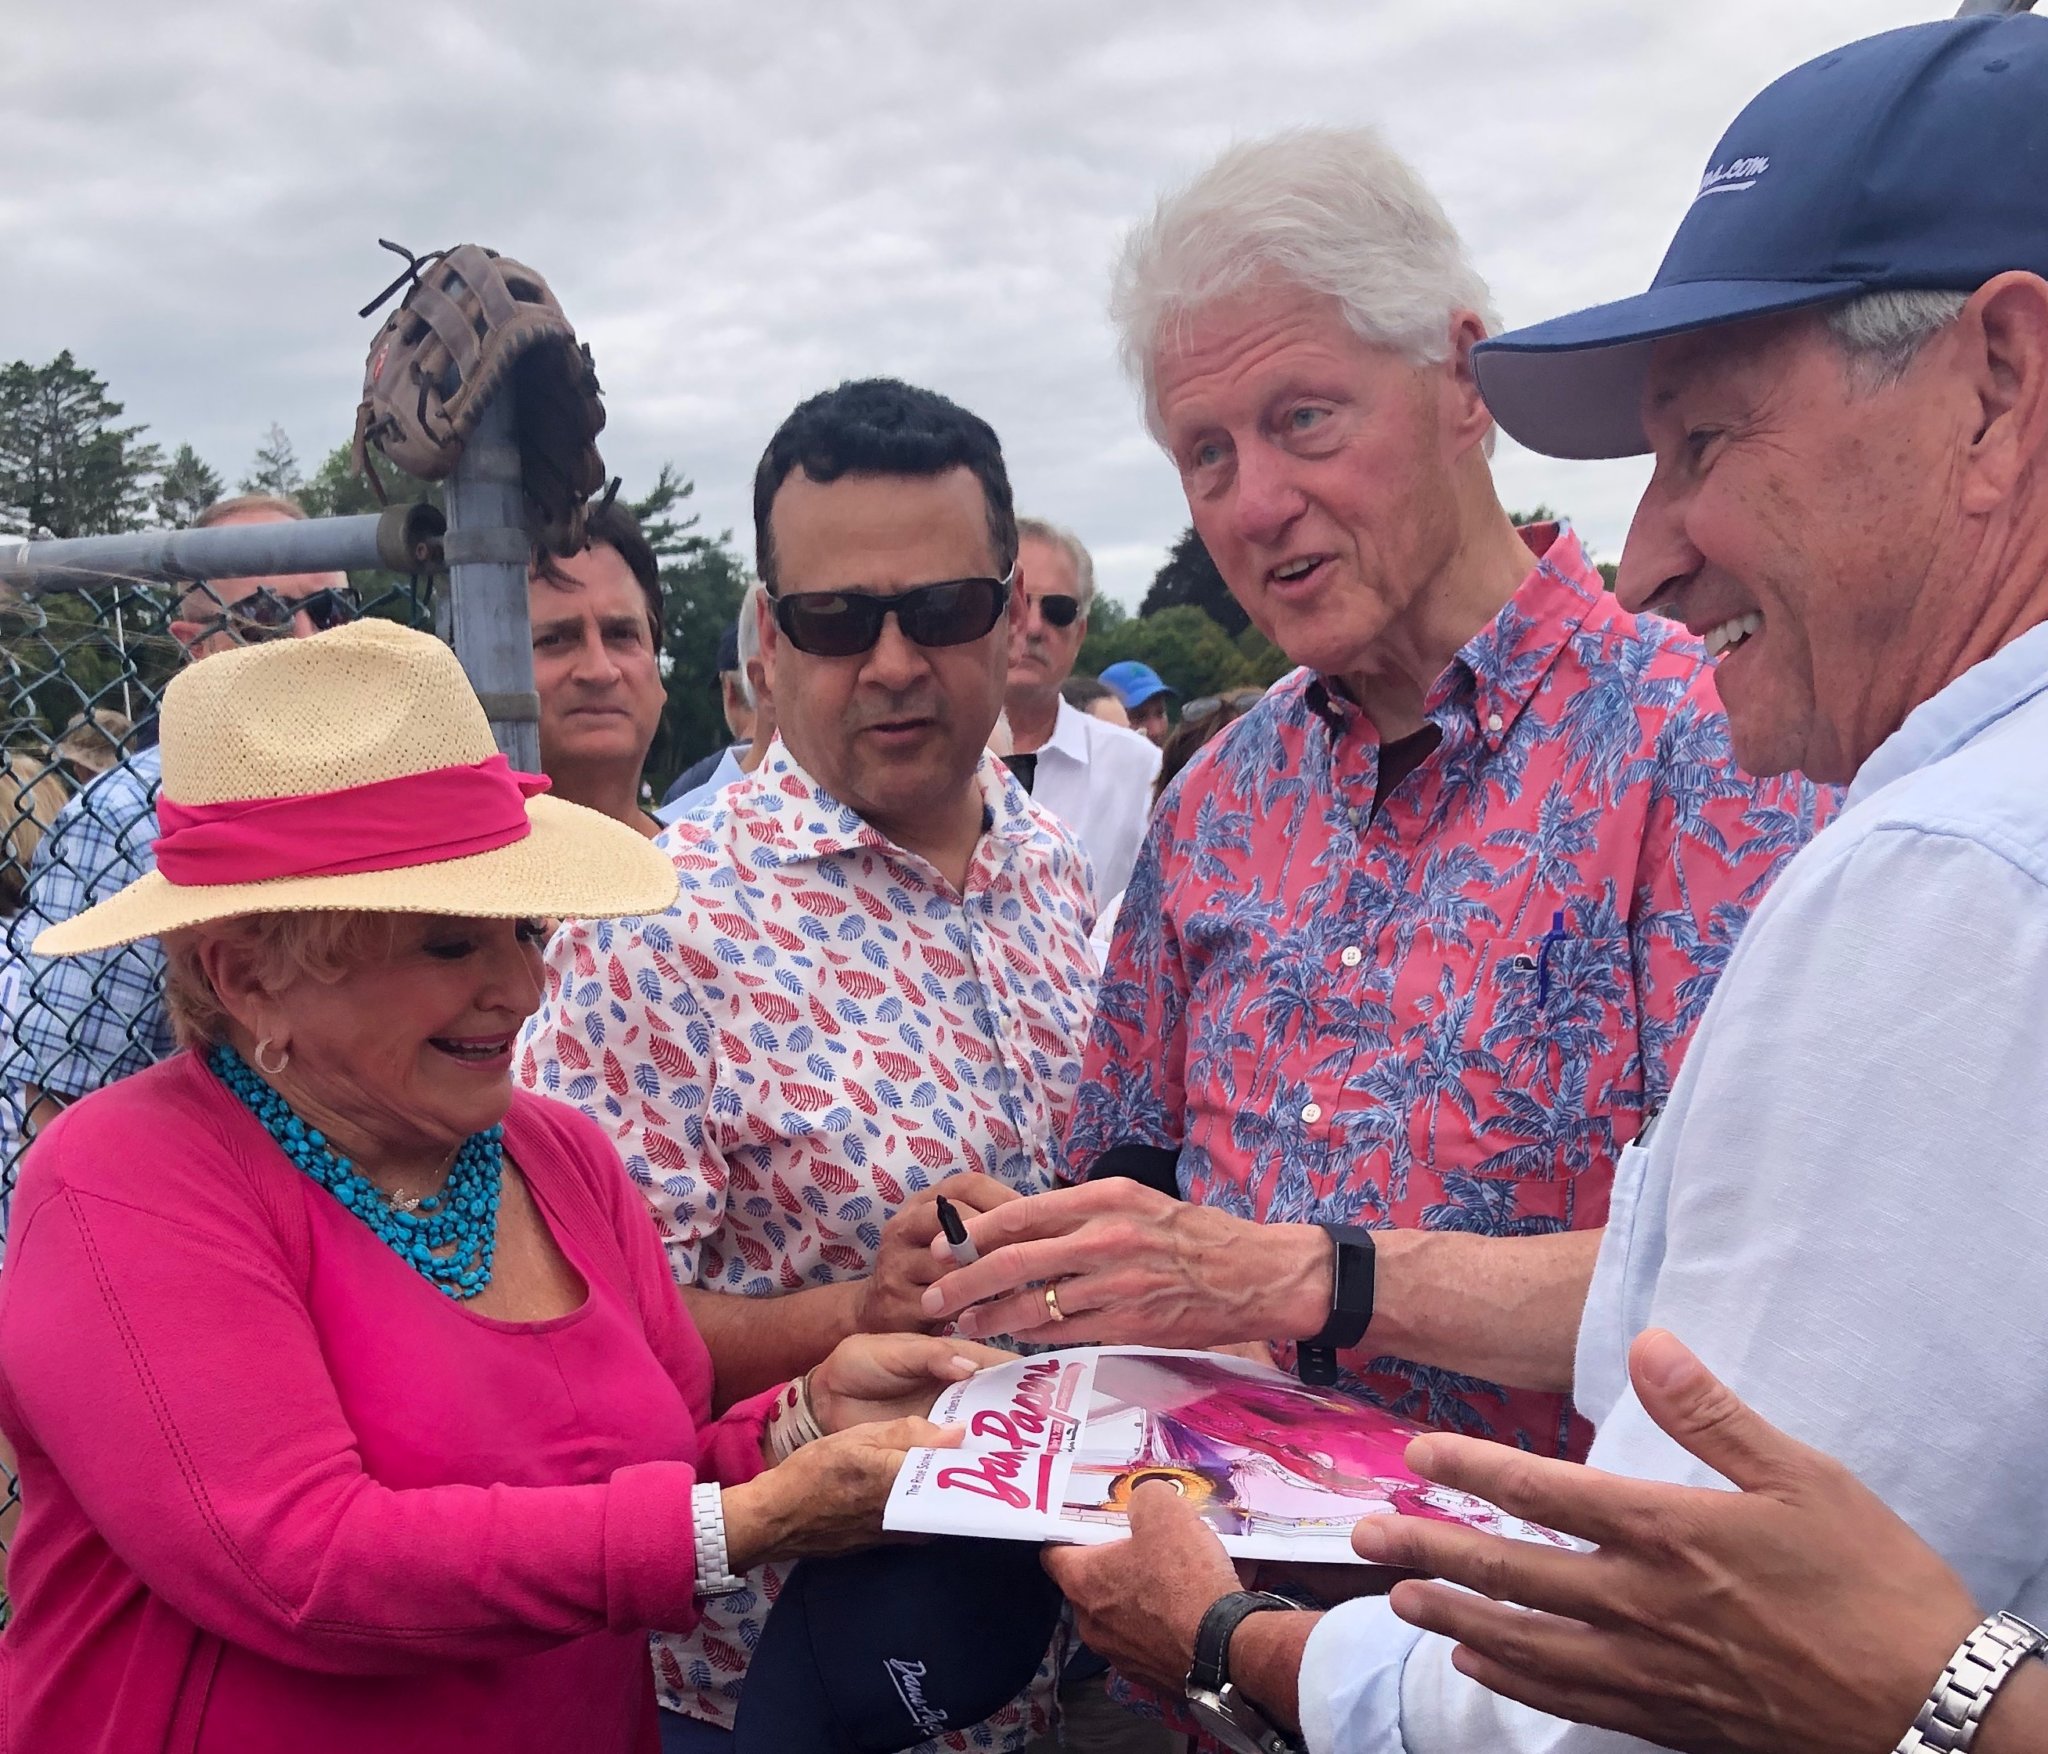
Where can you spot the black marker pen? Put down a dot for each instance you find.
(965, 1254)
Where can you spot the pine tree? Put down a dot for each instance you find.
(66, 467)
(703, 581)
(1189, 576)
(188, 487)
(275, 468)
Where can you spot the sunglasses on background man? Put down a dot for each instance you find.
(1058, 611)
(265, 613)
(843, 624)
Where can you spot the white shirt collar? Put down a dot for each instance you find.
(1069, 734)
(1971, 704)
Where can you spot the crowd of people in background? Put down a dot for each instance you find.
(469, 1233)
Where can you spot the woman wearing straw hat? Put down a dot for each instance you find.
(355, 1405)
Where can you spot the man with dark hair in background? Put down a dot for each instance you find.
(876, 979)
(596, 620)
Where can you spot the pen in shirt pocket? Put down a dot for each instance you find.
(1556, 936)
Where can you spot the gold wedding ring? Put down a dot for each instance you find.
(1052, 1304)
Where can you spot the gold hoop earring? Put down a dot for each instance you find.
(284, 1059)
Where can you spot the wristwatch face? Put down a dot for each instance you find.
(1237, 1727)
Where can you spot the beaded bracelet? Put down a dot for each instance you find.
(794, 1422)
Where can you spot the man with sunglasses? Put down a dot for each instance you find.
(89, 1020)
(876, 981)
(1095, 777)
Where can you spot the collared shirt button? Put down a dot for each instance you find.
(1352, 956)
(1493, 721)
(1312, 1112)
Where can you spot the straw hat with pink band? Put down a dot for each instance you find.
(355, 770)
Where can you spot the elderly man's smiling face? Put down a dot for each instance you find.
(1800, 520)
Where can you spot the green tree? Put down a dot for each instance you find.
(1187, 648)
(188, 487)
(703, 581)
(66, 467)
(1106, 615)
(1269, 663)
(275, 467)
(335, 490)
(1189, 576)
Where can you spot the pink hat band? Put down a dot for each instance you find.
(416, 819)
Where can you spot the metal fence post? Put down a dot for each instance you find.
(487, 551)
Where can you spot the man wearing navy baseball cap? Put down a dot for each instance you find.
(1841, 370)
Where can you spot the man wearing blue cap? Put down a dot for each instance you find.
(1144, 695)
(1842, 372)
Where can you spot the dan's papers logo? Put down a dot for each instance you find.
(1737, 173)
(908, 1679)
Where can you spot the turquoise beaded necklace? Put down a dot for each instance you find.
(462, 1219)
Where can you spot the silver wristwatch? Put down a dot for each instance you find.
(707, 1520)
(1947, 1723)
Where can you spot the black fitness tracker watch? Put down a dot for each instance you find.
(1219, 1706)
(1351, 1285)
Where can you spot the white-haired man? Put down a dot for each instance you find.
(737, 759)
(1092, 775)
(1842, 372)
(1416, 943)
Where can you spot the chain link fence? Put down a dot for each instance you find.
(82, 671)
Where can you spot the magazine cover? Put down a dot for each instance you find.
(1056, 1445)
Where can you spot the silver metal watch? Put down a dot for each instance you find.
(1947, 1723)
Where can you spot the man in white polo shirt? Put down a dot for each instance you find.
(1094, 776)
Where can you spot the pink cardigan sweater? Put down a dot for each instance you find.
(280, 1493)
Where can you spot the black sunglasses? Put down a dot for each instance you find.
(842, 624)
(1059, 611)
(264, 611)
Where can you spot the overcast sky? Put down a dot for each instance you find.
(742, 203)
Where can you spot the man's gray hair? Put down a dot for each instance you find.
(1881, 333)
(1330, 210)
(1071, 546)
(750, 637)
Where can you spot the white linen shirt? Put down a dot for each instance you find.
(820, 1027)
(1097, 778)
(1844, 1209)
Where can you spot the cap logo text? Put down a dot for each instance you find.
(1737, 173)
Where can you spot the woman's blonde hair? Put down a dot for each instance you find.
(283, 947)
(31, 794)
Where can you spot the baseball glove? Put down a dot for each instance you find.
(475, 321)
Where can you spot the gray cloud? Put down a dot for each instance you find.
(741, 204)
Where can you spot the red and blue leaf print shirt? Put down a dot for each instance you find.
(1453, 1012)
(820, 1027)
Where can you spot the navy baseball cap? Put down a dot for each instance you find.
(1134, 683)
(1915, 159)
(729, 649)
(886, 1649)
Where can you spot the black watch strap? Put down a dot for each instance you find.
(1211, 1667)
(1351, 1295)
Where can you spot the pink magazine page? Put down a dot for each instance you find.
(1057, 1444)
